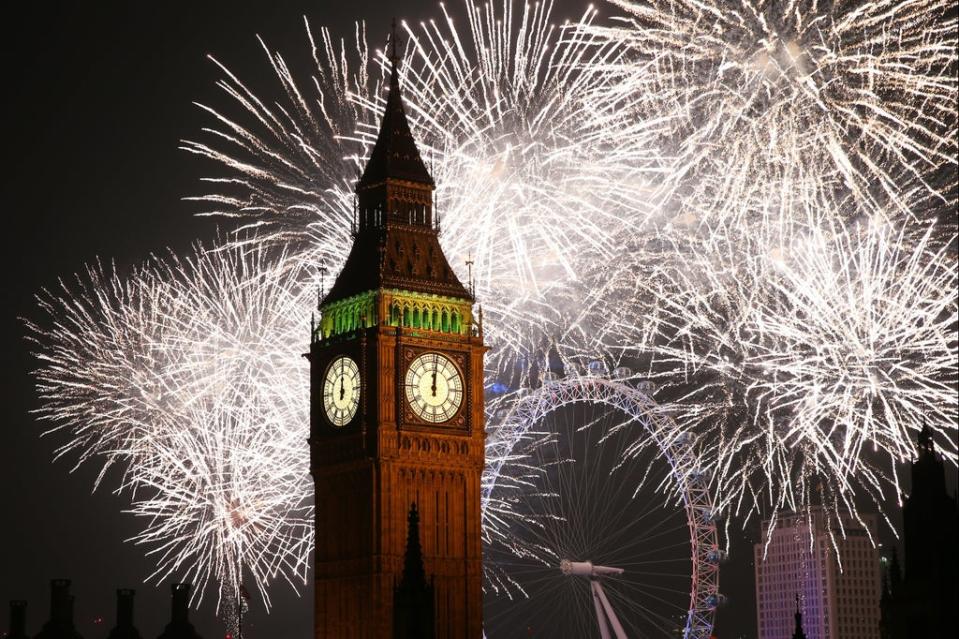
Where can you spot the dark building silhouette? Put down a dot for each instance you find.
(920, 602)
(125, 628)
(18, 620)
(60, 624)
(179, 626)
(413, 600)
(396, 409)
(798, 633)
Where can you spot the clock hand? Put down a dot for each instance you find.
(433, 387)
(342, 390)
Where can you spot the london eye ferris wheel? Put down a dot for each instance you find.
(591, 468)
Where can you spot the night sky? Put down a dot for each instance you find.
(97, 98)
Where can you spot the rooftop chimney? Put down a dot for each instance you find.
(125, 628)
(18, 619)
(61, 602)
(125, 607)
(179, 626)
(60, 625)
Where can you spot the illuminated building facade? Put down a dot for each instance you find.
(837, 600)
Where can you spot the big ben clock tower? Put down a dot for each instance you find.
(396, 416)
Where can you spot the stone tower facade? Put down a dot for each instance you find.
(396, 413)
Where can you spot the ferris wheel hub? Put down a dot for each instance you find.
(587, 569)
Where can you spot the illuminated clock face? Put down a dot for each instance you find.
(434, 388)
(341, 391)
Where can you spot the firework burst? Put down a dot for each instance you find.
(169, 373)
(791, 303)
(822, 97)
(808, 359)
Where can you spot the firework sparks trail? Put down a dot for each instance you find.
(102, 328)
(808, 359)
(170, 374)
(227, 498)
(870, 318)
(793, 301)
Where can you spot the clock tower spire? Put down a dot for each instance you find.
(396, 412)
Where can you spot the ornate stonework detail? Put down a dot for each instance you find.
(430, 445)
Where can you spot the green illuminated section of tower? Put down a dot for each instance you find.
(393, 307)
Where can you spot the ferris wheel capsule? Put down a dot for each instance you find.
(709, 516)
(716, 555)
(684, 438)
(646, 386)
(715, 600)
(573, 370)
(698, 475)
(598, 367)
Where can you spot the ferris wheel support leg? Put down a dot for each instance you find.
(610, 615)
(600, 615)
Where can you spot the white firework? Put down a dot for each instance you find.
(788, 298)
(808, 359)
(171, 374)
(795, 98)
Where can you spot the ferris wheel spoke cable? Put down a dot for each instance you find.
(603, 516)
